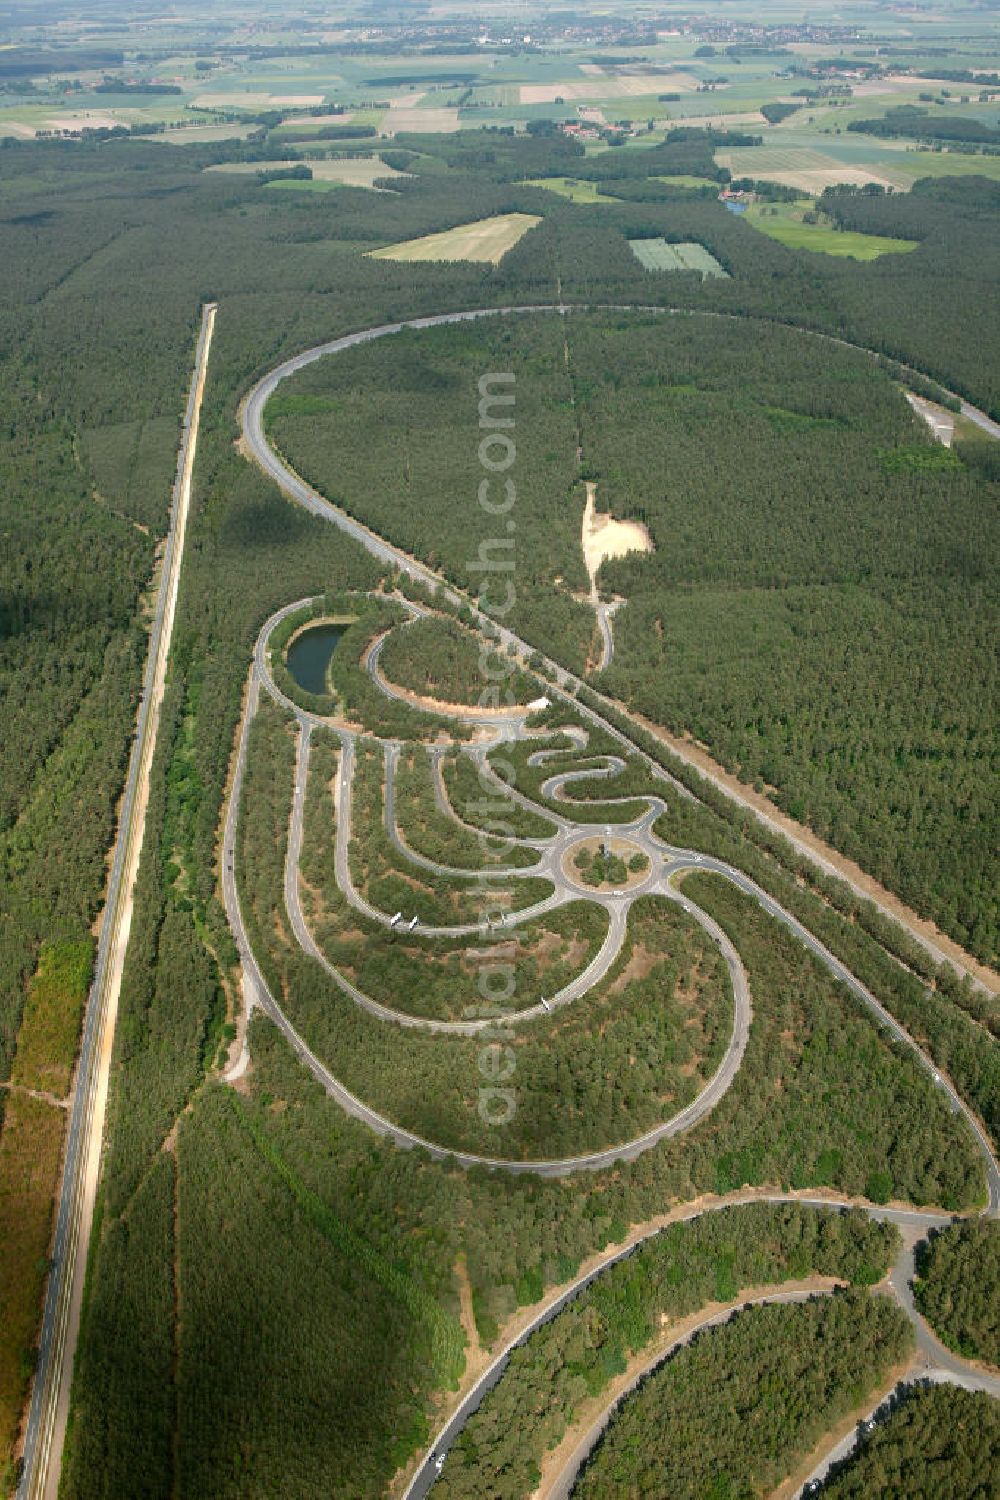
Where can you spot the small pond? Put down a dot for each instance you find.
(309, 655)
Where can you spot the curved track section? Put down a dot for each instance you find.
(672, 861)
(667, 863)
(258, 993)
(932, 1359)
(563, 683)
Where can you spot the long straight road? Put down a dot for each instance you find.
(49, 1407)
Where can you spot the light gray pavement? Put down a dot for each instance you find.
(665, 864)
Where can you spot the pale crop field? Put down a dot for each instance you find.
(485, 240)
(350, 171)
(808, 171)
(658, 255)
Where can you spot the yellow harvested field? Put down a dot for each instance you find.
(341, 119)
(420, 121)
(90, 119)
(193, 135)
(30, 1156)
(721, 122)
(809, 172)
(253, 99)
(609, 86)
(486, 240)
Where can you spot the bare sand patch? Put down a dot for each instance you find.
(605, 538)
(602, 845)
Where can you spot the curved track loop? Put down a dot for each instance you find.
(666, 862)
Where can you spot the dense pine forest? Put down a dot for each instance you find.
(744, 1402)
(937, 1440)
(958, 1288)
(566, 1366)
(109, 249)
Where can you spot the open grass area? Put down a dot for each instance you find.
(786, 223)
(50, 1026)
(341, 171)
(30, 1154)
(573, 188)
(483, 240)
(659, 255)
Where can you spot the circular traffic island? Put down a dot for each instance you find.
(604, 862)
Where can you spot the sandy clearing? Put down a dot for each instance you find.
(352, 171)
(604, 538)
(485, 240)
(625, 850)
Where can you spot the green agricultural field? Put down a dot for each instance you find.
(786, 223)
(574, 188)
(662, 255)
